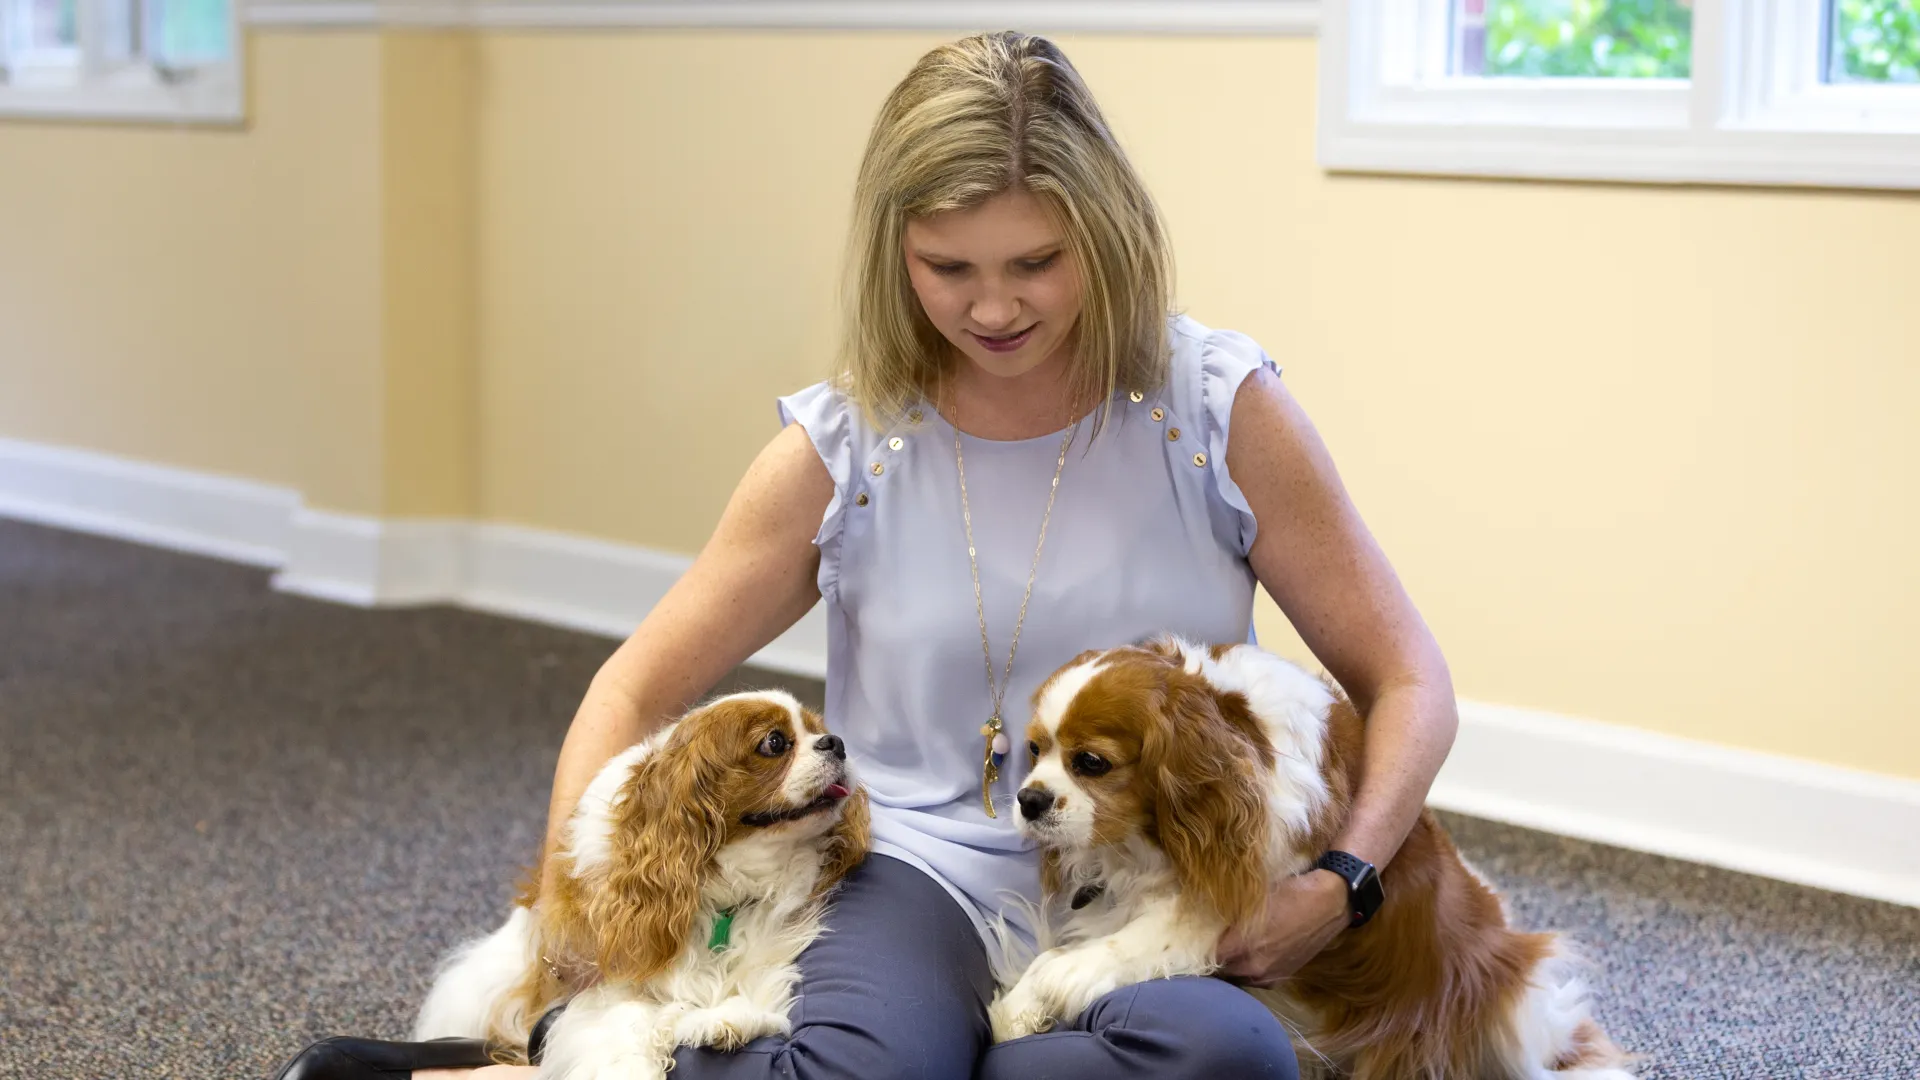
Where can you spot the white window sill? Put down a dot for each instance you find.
(1754, 112)
(1799, 159)
(134, 96)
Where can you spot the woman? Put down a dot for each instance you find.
(1023, 457)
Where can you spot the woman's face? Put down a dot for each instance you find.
(997, 280)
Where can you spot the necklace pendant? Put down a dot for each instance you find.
(989, 775)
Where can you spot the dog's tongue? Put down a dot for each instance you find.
(838, 791)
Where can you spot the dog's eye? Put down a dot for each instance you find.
(1087, 764)
(775, 744)
(1033, 751)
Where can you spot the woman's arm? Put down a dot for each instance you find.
(756, 576)
(1315, 557)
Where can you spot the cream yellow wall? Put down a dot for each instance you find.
(289, 302)
(428, 98)
(1641, 455)
(661, 220)
(206, 298)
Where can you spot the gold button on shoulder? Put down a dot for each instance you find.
(1173, 434)
(1136, 396)
(896, 443)
(1200, 460)
(860, 499)
(878, 468)
(1158, 414)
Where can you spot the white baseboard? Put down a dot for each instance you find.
(549, 577)
(602, 587)
(1783, 818)
(238, 520)
(352, 559)
(1778, 817)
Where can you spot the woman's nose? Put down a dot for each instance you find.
(994, 313)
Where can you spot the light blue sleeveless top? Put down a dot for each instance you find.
(1149, 535)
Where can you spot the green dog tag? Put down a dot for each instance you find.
(722, 931)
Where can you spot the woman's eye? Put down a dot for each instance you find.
(1090, 764)
(1038, 265)
(1033, 751)
(949, 269)
(775, 744)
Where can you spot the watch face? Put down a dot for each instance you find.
(1364, 892)
(1366, 895)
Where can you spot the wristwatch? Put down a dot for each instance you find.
(1364, 893)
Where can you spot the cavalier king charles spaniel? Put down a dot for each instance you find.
(694, 870)
(1174, 784)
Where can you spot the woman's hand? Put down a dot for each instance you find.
(1304, 913)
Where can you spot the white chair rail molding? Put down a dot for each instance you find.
(1793, 92)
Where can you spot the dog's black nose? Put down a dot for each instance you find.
(831, 744)
(1034, 802)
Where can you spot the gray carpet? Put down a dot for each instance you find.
(231, 821)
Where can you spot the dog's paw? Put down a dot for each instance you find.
(598, 1039)
(729, 1025)
(1015, 1015)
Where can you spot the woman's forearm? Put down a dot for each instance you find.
(1410, 728)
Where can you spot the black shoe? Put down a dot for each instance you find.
(346, 1058)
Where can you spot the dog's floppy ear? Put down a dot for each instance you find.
(668, 827)
(1210, 816)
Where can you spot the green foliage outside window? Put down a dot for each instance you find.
(194, 32)
(1876, 41)
(1635, 39)
(1872, 40)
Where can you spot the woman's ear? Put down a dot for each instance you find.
(1210, 816)
(668, 828)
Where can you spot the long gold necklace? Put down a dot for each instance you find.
(992, 730)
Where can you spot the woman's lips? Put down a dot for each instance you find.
(1004, 344)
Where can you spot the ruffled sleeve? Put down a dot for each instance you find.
(1227, 357)
(827, 417)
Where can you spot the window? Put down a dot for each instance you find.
(1873, 41)
(120, 59)
(1595, 39)
(1809, 92)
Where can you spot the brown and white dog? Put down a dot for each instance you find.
(695, 869)
(1173, 784)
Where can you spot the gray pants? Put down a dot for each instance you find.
(897, 989)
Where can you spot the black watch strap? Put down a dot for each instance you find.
(1364, 894)
(1347, 866)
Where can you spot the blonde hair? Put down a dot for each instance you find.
(973, 119)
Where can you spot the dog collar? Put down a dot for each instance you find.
(1087, 895)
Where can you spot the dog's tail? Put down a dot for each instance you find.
(475, 993)
(1554, 1027)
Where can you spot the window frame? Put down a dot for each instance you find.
(1756, 110)
(84, 83)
